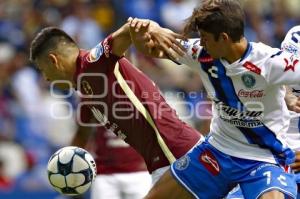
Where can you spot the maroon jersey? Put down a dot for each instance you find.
(113, 155)
(104, 99)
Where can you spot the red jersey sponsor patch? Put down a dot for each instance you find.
(252, 67)
(205, 59)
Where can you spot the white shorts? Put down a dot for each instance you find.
(156, 174)
(121, 186)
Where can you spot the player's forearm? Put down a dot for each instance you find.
(153, 40)
(121, 40)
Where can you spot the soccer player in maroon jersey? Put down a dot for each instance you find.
(116, 94)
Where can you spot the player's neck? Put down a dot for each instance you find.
(236, 50)
(71, 67)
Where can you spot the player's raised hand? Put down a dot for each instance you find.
(156, 38)
(296, 165)
(142, 39)
(136, 23)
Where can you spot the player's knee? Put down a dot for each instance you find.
(274, 194)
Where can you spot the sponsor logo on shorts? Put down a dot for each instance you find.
(182, 163)
(95, 53)
(209, 161)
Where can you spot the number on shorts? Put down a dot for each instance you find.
(268, 174)
(282, 180)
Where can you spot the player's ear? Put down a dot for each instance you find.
(224, 36)
(53, 59)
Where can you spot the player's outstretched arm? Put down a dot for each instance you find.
(151, 39)
(121, 40)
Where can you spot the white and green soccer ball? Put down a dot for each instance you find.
(71, 170)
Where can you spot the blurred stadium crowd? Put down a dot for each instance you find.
(36, 120)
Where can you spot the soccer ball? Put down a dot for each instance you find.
(71, 170)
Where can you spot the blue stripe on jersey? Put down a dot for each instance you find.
(225, 92)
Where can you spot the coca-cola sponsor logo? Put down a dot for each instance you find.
(251, 94)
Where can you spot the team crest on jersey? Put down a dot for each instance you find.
(182, 163)
(95, 53)
(248, 80)
(87, 88)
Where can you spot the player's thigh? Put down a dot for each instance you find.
(156, 175)
(269, 181)
(237, 193)
(105, 186)
(135, 185)
(298, 184)
(168, 187)
(274, 194)
(205, 172)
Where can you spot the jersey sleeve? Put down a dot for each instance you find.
(102, 51)
(193, 50)
(282, 68)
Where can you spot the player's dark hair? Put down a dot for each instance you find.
(217, 16)
(48, 39)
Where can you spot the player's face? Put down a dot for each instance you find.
(51, 73)
(212, 46)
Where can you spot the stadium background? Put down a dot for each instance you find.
(35, 122)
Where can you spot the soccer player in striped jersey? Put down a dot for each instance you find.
(245, 80)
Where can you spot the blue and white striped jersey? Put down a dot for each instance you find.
(291, 43)
(250, 117)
